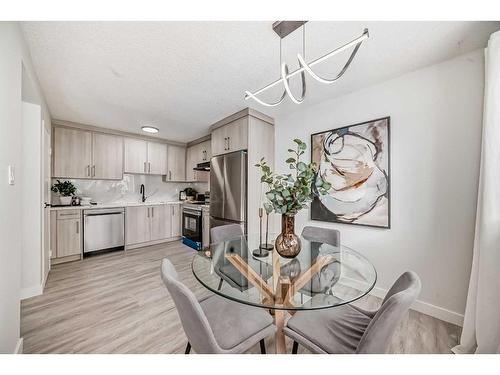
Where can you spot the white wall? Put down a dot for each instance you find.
(14, 54)
(30, 177)
(436, 116)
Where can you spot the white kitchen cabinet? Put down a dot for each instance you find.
(145, 157)
(152, 224)
(205, 229)
(137, 225)
(230, 137)
(84, 154)
(176, 220)
(136, 153)
(65, 236)
(72, 155)
(107, 156)
(161, 222)
(157, 158)
(196, 154)
(176, 163)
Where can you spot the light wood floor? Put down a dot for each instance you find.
(116, 303)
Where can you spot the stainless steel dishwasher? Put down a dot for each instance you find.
(103, 229)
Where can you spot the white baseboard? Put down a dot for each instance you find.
(428, 309)
(420, 306)
(19, 346)
(31, 291)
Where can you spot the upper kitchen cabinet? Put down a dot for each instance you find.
(196, 154)
(176, 163)
(136, 155)
(107, 156)
(157, 158)
(230, 136)
(84, 154)
(145, 157)
(72, 153)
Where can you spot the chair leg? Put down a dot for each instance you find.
(220, 284)
(295, 347)
(188, 348)
(262, 346)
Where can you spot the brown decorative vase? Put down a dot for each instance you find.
(288, 243)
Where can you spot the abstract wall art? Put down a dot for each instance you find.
(355, 160)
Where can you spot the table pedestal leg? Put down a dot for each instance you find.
(279, 337)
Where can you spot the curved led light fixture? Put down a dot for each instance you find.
(286, 83)
(283, 29)
(150, 129)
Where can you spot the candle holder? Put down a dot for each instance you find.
(267, 246)
(262, 251)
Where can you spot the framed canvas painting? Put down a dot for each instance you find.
(355, 159)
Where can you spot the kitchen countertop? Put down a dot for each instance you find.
(115, 205)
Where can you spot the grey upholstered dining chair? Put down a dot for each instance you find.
(328, 276)
(215, 324)
(225, 270)
(348, 329)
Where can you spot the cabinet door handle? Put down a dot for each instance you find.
(152, 212)
(93, 171)
(228, 144)
(145, 167)
(88, 170)
(77, 228)
(149, 167)
(170, 175)
(148, 211)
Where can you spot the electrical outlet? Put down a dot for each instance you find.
(12, 179)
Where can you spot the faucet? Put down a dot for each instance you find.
(143, 191)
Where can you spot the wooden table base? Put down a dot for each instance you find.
(282, 290)
(279, 337)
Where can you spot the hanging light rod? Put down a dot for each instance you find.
(307, 67)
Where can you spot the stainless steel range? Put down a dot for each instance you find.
(192, 224)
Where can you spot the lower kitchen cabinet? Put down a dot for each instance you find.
(176, 220)
(205, 229)
(152, 224)
(137, 225)
(161, 222)
(66, 236)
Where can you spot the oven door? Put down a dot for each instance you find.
(191, 224)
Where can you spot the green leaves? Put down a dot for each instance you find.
(289, 193)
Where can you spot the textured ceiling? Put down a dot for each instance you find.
(183, 76)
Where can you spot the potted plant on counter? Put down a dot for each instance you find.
(65, 189)
(290, 193)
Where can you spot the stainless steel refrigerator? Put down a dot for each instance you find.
(228, 190)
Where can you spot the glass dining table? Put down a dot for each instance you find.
(322, 276)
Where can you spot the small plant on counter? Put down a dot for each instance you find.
(290, 193)
(65, 188)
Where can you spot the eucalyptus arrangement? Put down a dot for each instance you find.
(289, 193)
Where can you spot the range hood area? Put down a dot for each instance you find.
(202, 167)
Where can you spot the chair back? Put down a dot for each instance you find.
(395, 305)
(325, 235)
(193, 319)
(225, 232)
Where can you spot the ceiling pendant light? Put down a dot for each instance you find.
(283, 28)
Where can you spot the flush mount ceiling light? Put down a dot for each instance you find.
(150, 129)
(283, 28)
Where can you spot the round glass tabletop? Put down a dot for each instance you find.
(321, 276)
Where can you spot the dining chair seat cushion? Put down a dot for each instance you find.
(336, 330)
(239, 323)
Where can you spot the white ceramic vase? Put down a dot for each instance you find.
(65, 201)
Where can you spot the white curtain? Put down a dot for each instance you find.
(481, 331)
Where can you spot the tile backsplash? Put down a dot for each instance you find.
(127, 190)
